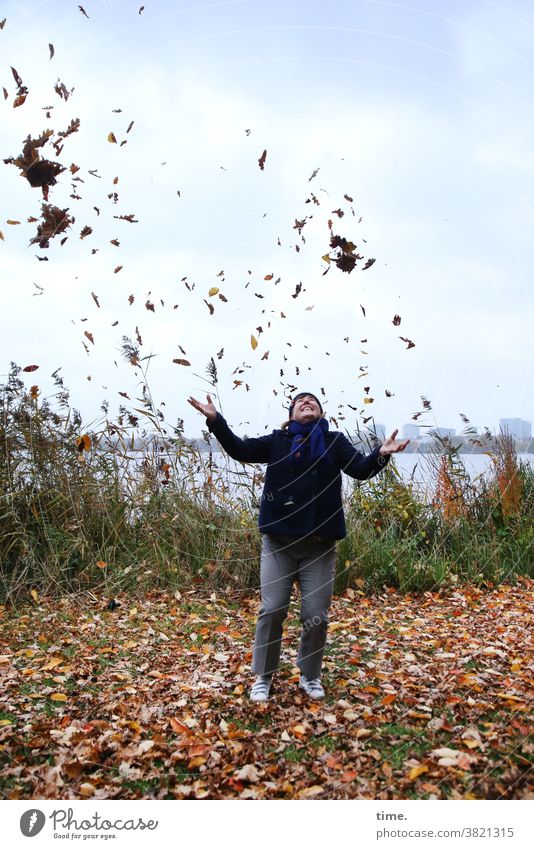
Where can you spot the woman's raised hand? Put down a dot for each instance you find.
(392, 445)
(207, 410)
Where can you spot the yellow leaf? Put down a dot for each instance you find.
(53, 662)
(6, 722)
(326, 258)
(253, 342)
(1, 236)
(368, 400)
(111, 138)
(417, 771)
(58, 697)
(35, 595)
(10, 221)
(213, 291)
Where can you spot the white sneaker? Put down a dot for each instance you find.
(260, 688)
(312, 687)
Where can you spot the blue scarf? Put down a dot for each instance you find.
(314, 446)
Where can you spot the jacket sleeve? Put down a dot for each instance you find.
(358, 465)
(250, 450)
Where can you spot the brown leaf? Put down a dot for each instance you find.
(182, 362)
(52, 51)
(111, 138)
(89, 336)
(30, 368)
(261, 160)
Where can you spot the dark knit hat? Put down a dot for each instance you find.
(301, 395)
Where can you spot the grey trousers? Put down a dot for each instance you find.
(312, 564)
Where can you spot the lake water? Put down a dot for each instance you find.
(419, 469)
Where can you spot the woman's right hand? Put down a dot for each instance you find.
(207, 410)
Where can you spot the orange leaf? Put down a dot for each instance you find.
(83, 443)
(101, 564)
(58, 697)
(111, 138)
(389, 698)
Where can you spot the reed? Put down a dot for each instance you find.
(124, 508)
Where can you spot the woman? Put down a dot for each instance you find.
(301, 517)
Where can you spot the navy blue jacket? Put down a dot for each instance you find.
(305, 498)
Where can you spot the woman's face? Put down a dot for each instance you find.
(305, 410)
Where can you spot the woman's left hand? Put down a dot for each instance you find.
(392, 445)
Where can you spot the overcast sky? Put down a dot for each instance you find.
(421, 113)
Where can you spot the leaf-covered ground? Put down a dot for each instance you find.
(428, 696)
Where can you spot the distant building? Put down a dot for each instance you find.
(518, 428)
(380, 430)
(410, 431)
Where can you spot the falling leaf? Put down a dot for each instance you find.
(19, 100)
(130, 125)
(261, 160)
(54, 222)
(30, 368)
(253, 342)
(182, 362)
(52, 51)
(111, 138)
(314, 174)
(213, 291)
(86, 231)
(82, 10)
(117, 269)
(12, 221)
(396, 320)
(409, 342)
